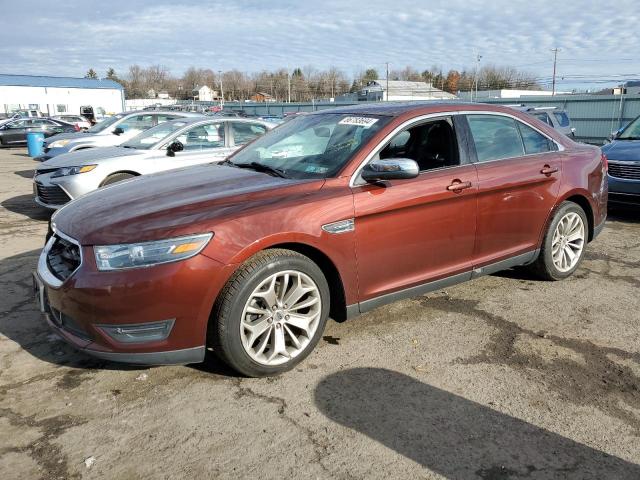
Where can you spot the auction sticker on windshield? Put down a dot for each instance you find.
(365, 122)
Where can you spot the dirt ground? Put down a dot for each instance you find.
(505, 377)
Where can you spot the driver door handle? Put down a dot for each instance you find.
(457, 186)
(547, 170)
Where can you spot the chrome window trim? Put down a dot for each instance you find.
(43, 270)
(376, 150)
(561, 148)
(386, 139)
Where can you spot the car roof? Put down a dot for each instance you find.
(209, 118)
(160, 112)
(395, 109)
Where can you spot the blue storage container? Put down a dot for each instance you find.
(35, 141)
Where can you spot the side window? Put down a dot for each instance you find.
(432, 145)
(562, 118)
(138, 123)
(495, 137)
(245, 132)
(18, 124)
(544, 117)
(203, 137)
(534, 142)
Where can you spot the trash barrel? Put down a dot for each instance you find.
(35, 140)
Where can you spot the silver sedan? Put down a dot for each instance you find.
(173, 144)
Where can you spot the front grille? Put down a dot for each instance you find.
(53, 195)
(63, 258)
(621, 170)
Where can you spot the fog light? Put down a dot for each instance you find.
(139, 332)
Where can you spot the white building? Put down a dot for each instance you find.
(505, 93)
(204, 94)
(57, 95)
(400, 90)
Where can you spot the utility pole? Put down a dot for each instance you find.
(387, 81)
(555, 58)
(288, 86)
(221, 90)
(478, 58)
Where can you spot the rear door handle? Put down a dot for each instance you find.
(457, 186)
(547, 170)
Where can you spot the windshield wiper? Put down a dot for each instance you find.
(627, 138)
(261, 167)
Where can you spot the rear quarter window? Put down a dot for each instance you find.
(562, 118)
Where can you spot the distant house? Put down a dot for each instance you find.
(376, 90)
(262, 97)
(163, 94)
(204, 94)
(629, 88)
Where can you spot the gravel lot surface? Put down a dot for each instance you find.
(506, 377)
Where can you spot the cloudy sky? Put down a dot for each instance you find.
(598, 41)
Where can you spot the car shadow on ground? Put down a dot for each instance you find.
(626, 214)
(453, 436)
(22, 323)
(25, 205)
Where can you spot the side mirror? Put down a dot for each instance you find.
(390, 169)
(174, 147)
(118, 131)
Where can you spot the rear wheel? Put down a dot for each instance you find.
(271, 313)
(115, 178)
(564, 243)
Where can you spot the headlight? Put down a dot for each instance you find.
(64, 171)
(59, 143)
(145, 254)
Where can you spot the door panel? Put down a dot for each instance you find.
(515, 195)
(411, 232)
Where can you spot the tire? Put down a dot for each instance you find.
(115, 178)
(242, 311)
(553, 263)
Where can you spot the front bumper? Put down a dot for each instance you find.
(54, 193)
(87, 300)
(624, 191)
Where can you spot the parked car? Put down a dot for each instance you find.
(172, 144)
(110, 132)
(14, 131)
(81, 122)
(623, 153)
(552, 116)
(333, 213)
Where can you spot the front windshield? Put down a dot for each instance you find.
(631, 131)
(104, 124)
(312, 146)
(149, 138)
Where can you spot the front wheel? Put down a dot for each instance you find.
(271, 313)
(564, 243)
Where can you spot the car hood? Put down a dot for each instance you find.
(67, 136)
(89, 156)
(168, 204)
(623, 150)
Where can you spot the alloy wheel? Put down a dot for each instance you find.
(280, 317)
(568, 242)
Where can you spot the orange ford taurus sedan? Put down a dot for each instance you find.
(332, 214)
